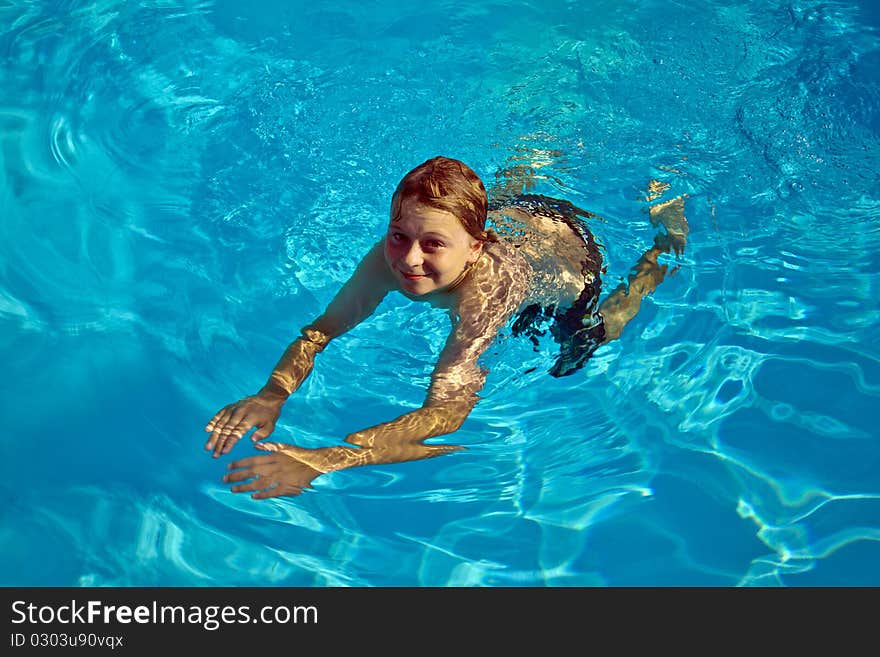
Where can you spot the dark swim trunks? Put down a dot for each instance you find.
(578, 329)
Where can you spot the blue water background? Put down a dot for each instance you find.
(183, 185)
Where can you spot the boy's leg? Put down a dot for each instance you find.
(624, 302)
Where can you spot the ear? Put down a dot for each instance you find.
(476, 250)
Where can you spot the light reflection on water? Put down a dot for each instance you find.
(183, 188)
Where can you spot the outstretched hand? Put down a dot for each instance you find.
(233, 421)
(271, 475)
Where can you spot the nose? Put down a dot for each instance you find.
(413, 257)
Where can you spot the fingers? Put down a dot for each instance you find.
(239, 475)
(219, 419)
(215, 419)
(232, 435)
(261, 480)
(269, 447)
(277, 491)
(217, 426)
(221, 441)
(251, 462)
(263, 432)
(227, 427)
(265, 476)
(256, 484)
(257, 472)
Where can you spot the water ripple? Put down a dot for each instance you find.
(183, 185)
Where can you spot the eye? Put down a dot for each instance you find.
(397, 237)
(434, 244)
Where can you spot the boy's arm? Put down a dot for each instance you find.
(455, 382)
(452, 394)
(354, 302)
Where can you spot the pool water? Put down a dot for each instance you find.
(183, 185)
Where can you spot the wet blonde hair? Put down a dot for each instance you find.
(449, 185)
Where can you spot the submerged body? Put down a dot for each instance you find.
(565, 275)
(540, 267)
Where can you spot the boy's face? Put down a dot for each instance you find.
(427, 248)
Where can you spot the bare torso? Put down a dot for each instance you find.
(556, 254)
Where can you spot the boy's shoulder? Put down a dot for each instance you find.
(372, 274)
(501, 280)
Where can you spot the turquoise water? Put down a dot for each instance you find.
(185, 184)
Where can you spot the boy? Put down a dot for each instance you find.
(542, 265)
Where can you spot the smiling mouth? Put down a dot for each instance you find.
(412, 277)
